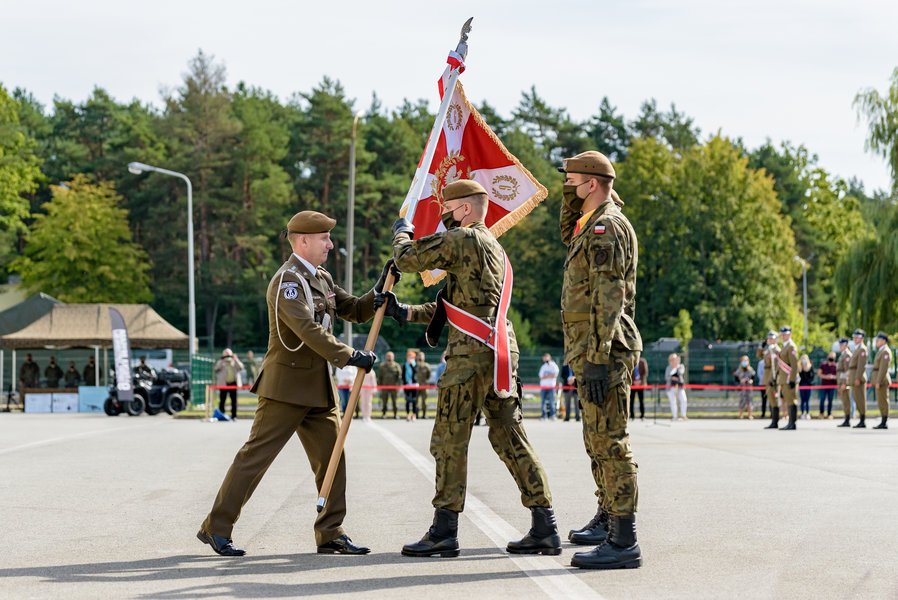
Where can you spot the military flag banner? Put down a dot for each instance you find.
(468, 149)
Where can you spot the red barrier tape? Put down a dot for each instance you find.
(689, 386)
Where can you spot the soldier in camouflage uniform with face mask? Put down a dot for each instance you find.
(476, 270)
(602, 345)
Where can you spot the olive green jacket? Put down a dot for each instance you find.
(857, 367)
(789, 355)
(771, 367)
(598, 295)
(881, 365)
(302, 376)
(842, 367)
(389, 373)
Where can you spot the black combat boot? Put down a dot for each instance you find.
(846, 422)
(774, 418)
(883, 424)
(862, 424)
(620, 550)
(593, 533)
(793, 416)
(441, 538)
(543, 536)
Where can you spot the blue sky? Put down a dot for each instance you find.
(786, 70)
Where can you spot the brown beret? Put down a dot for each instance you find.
(309, 221)
(589, 163)
(617, 199)
(462, 189)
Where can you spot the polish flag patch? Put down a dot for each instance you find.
(599, 229)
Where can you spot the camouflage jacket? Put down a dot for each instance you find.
(473, 261)
(598, 297)
(881, 365)
(422, 372)
(389, 373)
(857, 366)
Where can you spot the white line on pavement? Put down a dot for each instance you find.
(64, 438)
(555, 580)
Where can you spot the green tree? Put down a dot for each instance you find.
(712, 238)
(81, 250)
(682, 330)
(19, 176)
(881, 113)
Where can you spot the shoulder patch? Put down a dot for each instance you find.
(290, 293)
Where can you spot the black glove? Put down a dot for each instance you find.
(397, 275)
(595, 383)
(395, 309)
(362, 359)
(792, 384)
(403, 226)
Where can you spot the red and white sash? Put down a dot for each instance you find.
(785, 366)
(495, 338)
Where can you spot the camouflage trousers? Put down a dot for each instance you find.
(465, 388)
(605, 435)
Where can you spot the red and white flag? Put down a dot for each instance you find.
(468, 149)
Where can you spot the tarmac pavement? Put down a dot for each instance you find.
(98, 507)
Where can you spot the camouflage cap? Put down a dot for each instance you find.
(310, 221)
(589, 163)
(462, 189)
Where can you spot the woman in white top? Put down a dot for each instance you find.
(675, 378)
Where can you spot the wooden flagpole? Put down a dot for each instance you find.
(415, 190)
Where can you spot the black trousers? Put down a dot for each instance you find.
(763, 403)
(223, 394)
(641, 394)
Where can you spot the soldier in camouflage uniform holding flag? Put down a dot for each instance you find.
(477, 275)
(602, 345)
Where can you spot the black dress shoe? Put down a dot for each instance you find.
(222, 545)
(342, 545)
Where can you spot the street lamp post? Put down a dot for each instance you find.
(804, 295)
(350, 221)
(137, 168)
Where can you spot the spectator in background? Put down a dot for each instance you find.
(744, 376)
(422, 376)
(227, 373)
(72, 376)
(548, 382)
(675, 379)
(252, 368)
(571, 401)
(410, 385)
(53, 373)
(369, 385)
(345, 378)
(828, 377)
(29, 373)
(390, 375)
(89, 374)
(640, 378)
(441, 367)
(760, 374)
(805, 381)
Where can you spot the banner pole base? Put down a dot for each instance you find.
(320, 505)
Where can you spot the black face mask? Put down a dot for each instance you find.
(449, 220)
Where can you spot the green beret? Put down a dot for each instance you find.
(462, 189)
(589, 163)
(309, 221)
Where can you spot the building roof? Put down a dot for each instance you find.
(88, 325)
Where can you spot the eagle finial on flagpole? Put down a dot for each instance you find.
(462, 47)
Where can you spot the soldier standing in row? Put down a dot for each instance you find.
(29, 373)
(389, 374)
(771, 367)
(602, 345)
(481, 367)
(422, 376)
(857, 375)
(880, 377)
(787, 376)
(72, 376)
(53, 373)
(842, 380)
